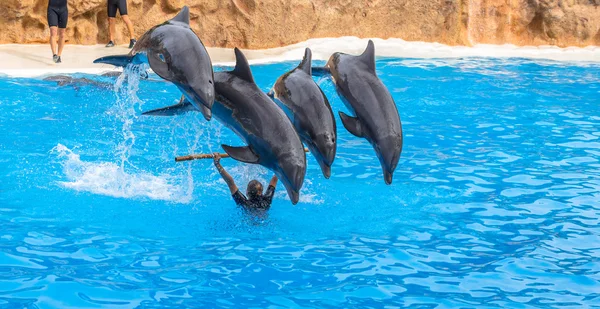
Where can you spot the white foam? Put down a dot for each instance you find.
(111, 179)
(33, 60)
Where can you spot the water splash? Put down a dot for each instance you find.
(124, 109)
(122, 178)
(198, 136)
(108, 178)
(190, 133)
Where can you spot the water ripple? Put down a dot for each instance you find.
(495, 202)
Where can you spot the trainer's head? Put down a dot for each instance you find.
(255, 189)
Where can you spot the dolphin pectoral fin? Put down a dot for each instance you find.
(320, 71)
(243, 154)
(305, 65)
(118, 60)
(352, 124)
(182, 107)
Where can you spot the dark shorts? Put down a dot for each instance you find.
(114, 5)
(58, 16)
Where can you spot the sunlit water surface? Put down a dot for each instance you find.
(495, 202)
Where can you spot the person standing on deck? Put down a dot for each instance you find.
(58, 15)
(113, 6)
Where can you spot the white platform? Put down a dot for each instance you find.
(36, 60)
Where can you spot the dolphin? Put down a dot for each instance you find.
(308, 108)
(77, 82)
(65, 80)
(176, 54)
(375, 115)
(245, 109)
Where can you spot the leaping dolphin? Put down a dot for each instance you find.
(176, 54)
(244, 108)
(376, 116)
(308, 108)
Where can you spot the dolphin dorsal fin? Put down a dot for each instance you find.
(305, 65)
(242, 68)
(368, 56)
(183, 16)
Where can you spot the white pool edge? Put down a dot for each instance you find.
(34, 61)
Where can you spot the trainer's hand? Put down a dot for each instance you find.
(216, 158)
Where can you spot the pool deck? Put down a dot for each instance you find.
(36, 60)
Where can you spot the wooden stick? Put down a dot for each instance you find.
(204, 156)
(199, 156)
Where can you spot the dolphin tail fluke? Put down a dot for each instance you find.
(243, 154)
(352, 124)
(182, 107)
(117, 60)
(320, 71)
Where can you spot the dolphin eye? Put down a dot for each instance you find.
(161, 57)
(210, 82)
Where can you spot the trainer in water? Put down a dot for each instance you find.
(58, 16)
(113, 7)
(375, 115)
(254, 202)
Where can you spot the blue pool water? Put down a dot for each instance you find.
(495, 202)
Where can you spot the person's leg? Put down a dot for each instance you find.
(123, 12)
(63, 19)
(129, 26)
(53, 36)
(53, 23)
(111, 28)
(112, 13)
(61, 40)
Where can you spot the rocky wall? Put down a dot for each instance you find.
(271, 23)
